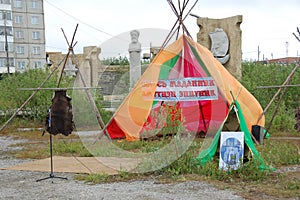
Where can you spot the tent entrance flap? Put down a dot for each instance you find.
(208, 154)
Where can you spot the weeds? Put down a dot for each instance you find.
(73, 148)
(93, 178)
(277, 153)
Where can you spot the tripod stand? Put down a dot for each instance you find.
(51, 155)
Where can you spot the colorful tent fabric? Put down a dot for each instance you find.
(183, 64)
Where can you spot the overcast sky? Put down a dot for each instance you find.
(268, 24)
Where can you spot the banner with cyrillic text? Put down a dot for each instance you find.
(184, 89)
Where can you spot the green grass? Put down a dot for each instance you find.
(71, 148)
(248, 179)
(279, 152)
(276, 153)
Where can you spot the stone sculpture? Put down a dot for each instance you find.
(219, 45)
(134, 57)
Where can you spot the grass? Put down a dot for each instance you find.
(36, 145)
(247, 181)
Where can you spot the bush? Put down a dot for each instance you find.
(257, 74)
(12, 98)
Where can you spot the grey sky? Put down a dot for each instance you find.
(266, 23)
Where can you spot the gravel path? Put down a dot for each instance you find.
(23, 185)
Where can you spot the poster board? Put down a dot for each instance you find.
(231, 150)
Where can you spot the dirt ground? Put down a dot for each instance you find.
(24, 185)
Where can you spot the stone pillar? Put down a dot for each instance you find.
(134, 57)
(91, 65)
(231, 27)
(85, 71)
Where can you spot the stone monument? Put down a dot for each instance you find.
(223, 37)
(134, 57)
(90, 66)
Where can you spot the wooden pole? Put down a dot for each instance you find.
(277, 86)
(66, 59)
(89, 95)
(25, 103)
(35, 92)
(276, 109)
(91, 99)
(286, 82)
(235, 110)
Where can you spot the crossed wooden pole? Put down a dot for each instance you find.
(282, 88)
(85, 87)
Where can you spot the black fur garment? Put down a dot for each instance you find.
(60, 114)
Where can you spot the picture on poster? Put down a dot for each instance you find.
(231, 150)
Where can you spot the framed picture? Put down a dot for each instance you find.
(231, 150)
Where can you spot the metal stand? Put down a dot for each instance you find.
(51, 156)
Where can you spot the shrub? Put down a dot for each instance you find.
(12, 98)
(257, 74)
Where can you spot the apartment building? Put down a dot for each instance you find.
(22, 35)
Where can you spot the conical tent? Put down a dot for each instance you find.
(186, 77)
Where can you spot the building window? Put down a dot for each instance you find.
(8, 30)
(34, 4)
(19, 34)
(37, 65)
(18, 19)
(3, 62)
(21, 65)
(10, 47)
(20, 50)
(5, 15)
(5, 1)
(36, 50)
(35, 20)
(36, 35)
(18, 3)
(2, 46)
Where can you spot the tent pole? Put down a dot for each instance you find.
(37, 89)
(201, 110)
(90, 97)
(277, 86)
(29, 98)
(71, 46)
(88, 93)
(236, 112)
(286, 82)
(276, 109)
